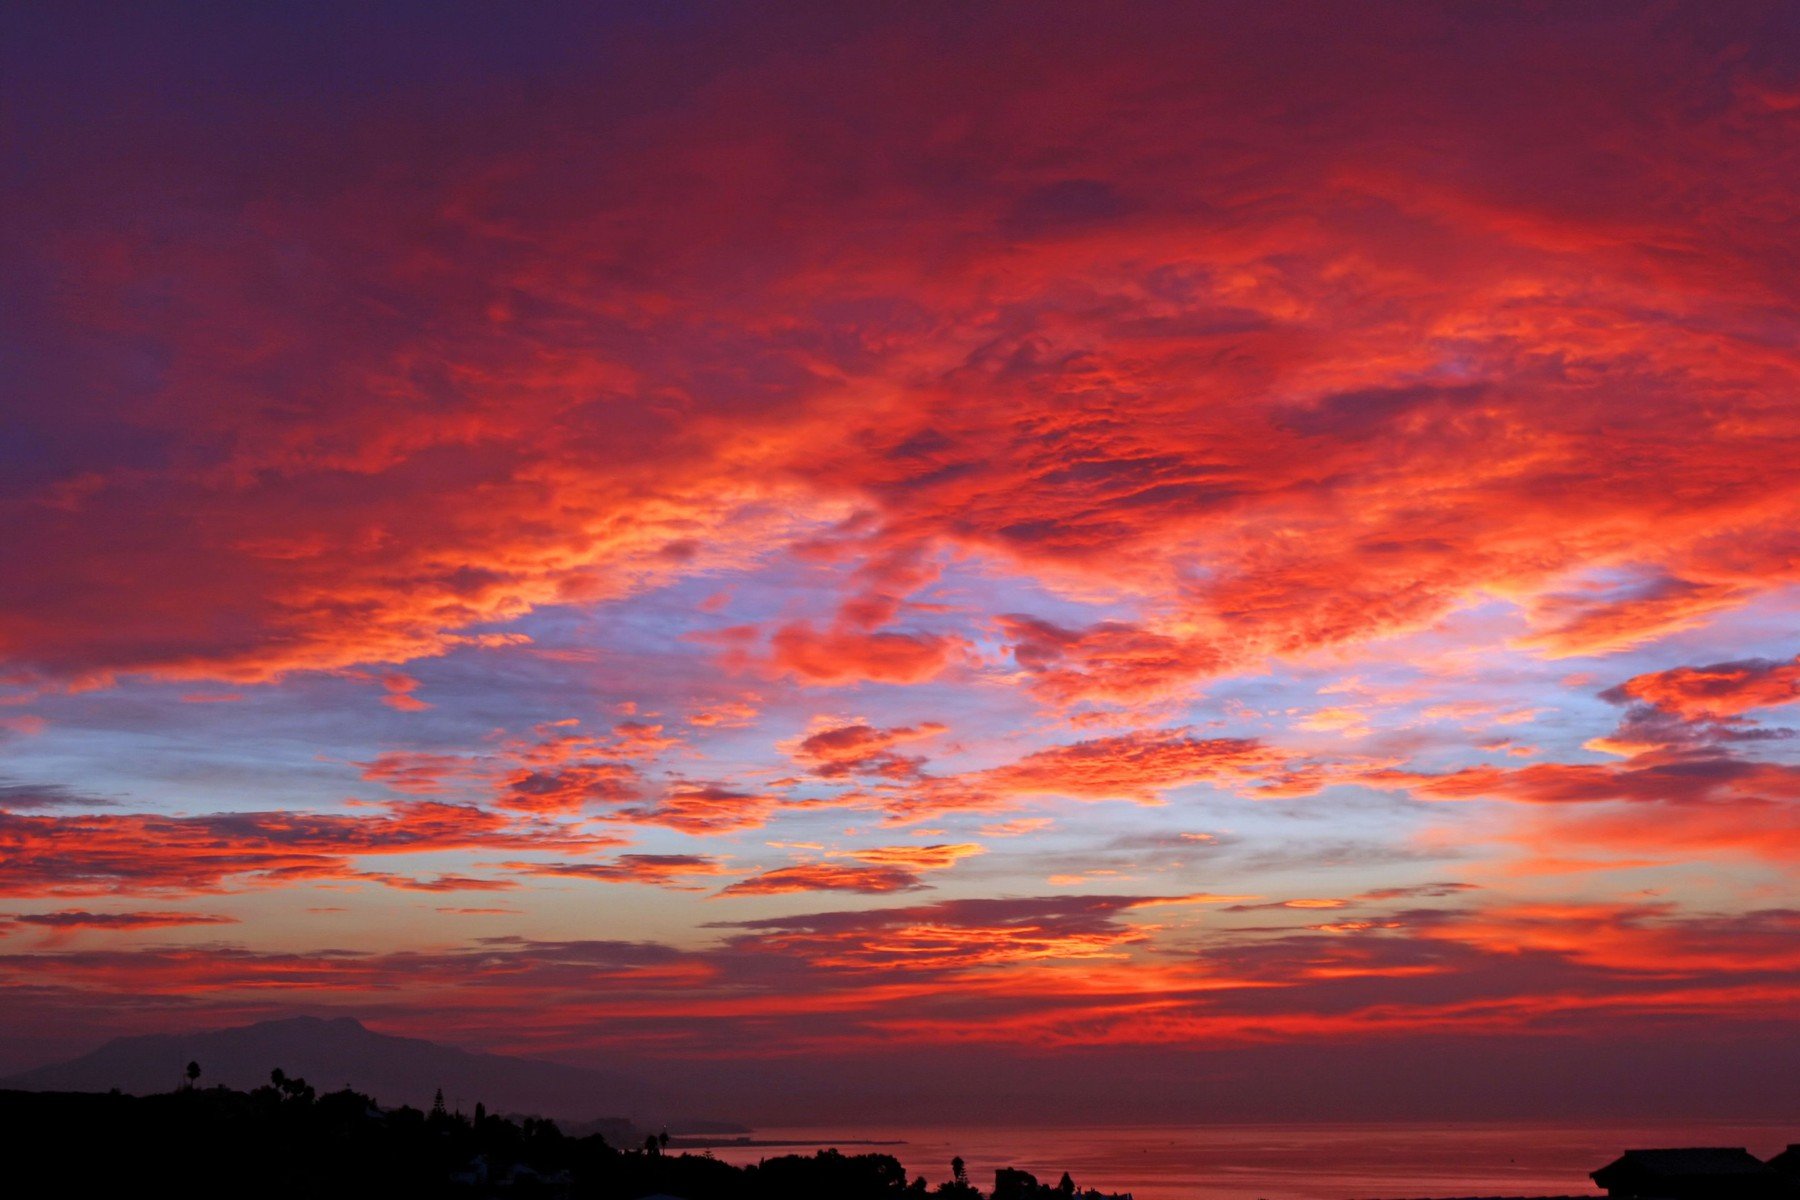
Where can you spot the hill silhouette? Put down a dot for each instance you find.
(285, 1140)
(341, 1052)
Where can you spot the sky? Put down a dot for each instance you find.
(893, 560)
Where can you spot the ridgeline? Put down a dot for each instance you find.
(283, 1141)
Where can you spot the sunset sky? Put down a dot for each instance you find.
(1226, 558)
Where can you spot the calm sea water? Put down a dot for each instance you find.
(1286, 1162)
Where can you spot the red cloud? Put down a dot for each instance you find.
(1600, 624)
(1717, 691)
(848, 655)
(729, 714)
(1655, 807)
(840, 750)
(918, 858)
(136, 853)
(886, 869)
(77, 919)
(1113, 373)
(553, 776)
(1559, 839)
(642, 739)
(1647, 778)
(400, 689)
(1045, 971)
(1134, 766)
(1112, 660)
(441, 883)
(823, 877)
(571, 788)
(1647, 938)
(704, 808)
(662, 870)
(422, 773)
(956, 934)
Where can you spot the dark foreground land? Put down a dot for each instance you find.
(282, 1142)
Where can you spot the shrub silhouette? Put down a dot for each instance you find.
(283, 1142)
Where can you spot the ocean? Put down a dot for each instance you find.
(1283, 1162)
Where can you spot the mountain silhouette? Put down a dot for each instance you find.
(340, 1052)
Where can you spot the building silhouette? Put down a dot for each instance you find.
(1694, 1173)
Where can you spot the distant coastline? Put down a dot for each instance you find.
(1286, 1160)
(716, 1142)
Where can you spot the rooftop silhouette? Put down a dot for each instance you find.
(1694, 1173)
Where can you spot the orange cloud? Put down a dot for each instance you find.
(140, 853)
(661, 870)
(571, 788)
(885, 869)
(72, 919)
(642, 739)
(1748, 826)
(1135, 766)
(1112, 660)
(440, 883)
(1018, 827)
(1661, 805)
(955, 933)
(1646, 938)
(1572, 624)
(917, 858)
(836, 751)
(1036, 971)
(400, 689)
(1108, 375)
(848, 655)
(1645, 779)
(821, 877)
(422, 773)
(731, 714)
(700, 808)
(1717, 691)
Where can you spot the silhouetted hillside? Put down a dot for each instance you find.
(284, 1142)
(342, 1053)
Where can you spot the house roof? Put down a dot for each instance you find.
(1689, 1161)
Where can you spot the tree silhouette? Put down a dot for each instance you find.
(193, 1074)
(959, 1172)
(278, 1077)
(438, 1112)
(290, 1144)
